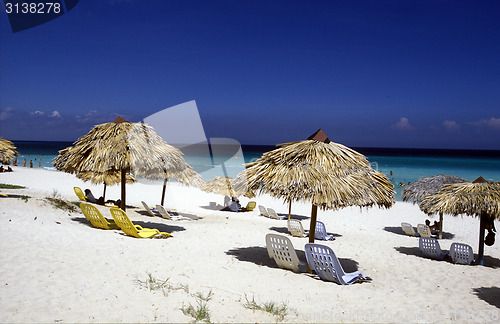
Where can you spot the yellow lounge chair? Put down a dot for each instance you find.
(121, 219)
(93, 215)
(250, 206)
(79, 194)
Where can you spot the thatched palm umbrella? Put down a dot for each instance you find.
(327, 174)
(416, 191)
(108, 178)
(479, 199)
(128, 147)
(226, 186)
(7, 151)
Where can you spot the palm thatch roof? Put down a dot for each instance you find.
(7, 151)
(128, 147)
(468, 198)
(109, 178)
(133, 147)
(416, 191)
(226, 186)
(479, 198)
(327, 174)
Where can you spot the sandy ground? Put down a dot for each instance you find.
(56, 267)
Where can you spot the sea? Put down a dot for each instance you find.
(401, 165)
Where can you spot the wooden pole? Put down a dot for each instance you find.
(104, 192)
(440, 225)
(289, 209)
(124, 181)
(312, 227)
(482, 224)
(163, 191)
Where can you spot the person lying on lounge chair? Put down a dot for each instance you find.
(100, 201)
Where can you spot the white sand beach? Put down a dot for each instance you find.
(56, 267)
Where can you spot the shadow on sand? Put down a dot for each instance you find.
(284, 230)
(398, 230)
(259, 256)
(161, 227)
(491, 295)
(488, 261)
(295, 216)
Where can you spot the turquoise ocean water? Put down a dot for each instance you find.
(406, 165)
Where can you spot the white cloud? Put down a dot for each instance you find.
(55, 114)
(493, 123)
(37, 113)
(451, 125)
(403, 125)
(5, 114)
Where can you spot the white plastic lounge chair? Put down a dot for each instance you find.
(408, 229)
(263, 211)
(280, 248)
(321, 234)
(295, 227)
(429, 246)
(165, 214)
(423, 230)
(149, 210)
(461, 253)
(274, 215)
(324, 262)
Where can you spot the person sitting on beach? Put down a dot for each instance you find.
(434, 228)
(2, 169)
(9, 169)
(234, 205)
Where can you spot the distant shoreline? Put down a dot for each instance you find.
(54, 146)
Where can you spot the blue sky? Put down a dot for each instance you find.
(422, 74)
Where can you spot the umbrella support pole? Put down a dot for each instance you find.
(124, 182)
(482, 224)
(290, 209)
(440, 225)
(312, 228)
(163, 191)
(104, 192)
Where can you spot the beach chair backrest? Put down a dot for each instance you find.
(408, 229)
(163, 212)
(320, 232)
(295, 228)
(324, 262)
(424, 230)
(281, 249)
(150, 212)
(272, 213)
(94, 216)
(263, 211)
(123, 221)
(461, 253)
(250, 206)
(79, 193)
(430, 247)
